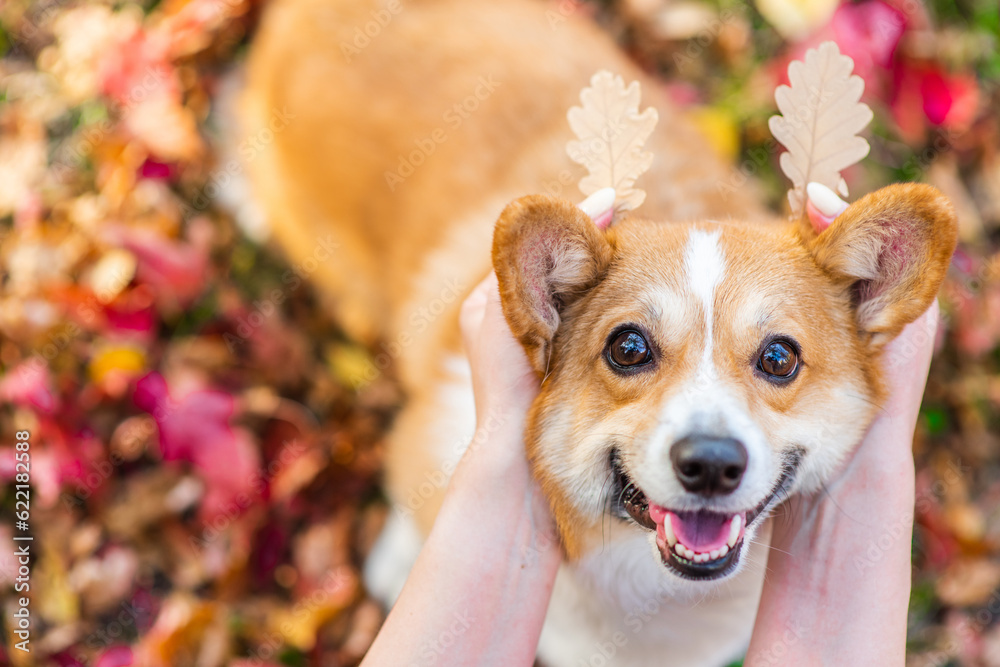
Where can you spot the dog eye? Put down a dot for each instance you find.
(629, 348)
(779, 360)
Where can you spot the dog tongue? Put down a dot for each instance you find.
(699, 531)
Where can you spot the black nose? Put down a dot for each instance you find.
(708, 465)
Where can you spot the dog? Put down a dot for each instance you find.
(701, 361)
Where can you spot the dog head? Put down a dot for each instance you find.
(696, 374)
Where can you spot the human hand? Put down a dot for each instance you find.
(495, 467)
(502, 379)
(505, 385)
(888, 444)
(493, 552)
(905, 362)
(827, 594)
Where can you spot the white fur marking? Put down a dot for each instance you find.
(706, 403)
(455, 399)
(393, 555)
(705, 269)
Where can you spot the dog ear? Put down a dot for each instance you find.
(546, 253)
(891, 248)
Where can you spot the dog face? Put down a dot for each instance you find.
(696, 374)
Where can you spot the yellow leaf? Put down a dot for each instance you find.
(176, 636)
(57, 601)
(719, 128)
(125, 359)
(796, 19)
(351, 364)
(299, 624)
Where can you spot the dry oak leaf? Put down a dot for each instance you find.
(610, 134)
(821, 116)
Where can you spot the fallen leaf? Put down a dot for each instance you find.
(795, 19)
(968, 582)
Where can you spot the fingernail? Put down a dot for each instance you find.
(825, 200)
(599, 204)
(604, 219)
(819, 221)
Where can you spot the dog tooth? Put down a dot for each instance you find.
(668, 531)
(688, 554)
(723, 551)
(679, 548)
(700, 558)
(734, 530)
(713, 554)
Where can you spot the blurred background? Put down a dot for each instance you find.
(205, 459)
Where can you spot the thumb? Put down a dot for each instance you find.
(472, 314)
(823, 206)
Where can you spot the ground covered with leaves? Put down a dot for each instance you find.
(206, 446)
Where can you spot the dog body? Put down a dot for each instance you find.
(667, 427)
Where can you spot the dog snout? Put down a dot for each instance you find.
(709, 465)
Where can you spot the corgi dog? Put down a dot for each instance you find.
(701, 361)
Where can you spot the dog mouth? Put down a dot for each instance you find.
(700, 544)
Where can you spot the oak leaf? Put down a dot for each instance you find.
(821, 117)
(610, 134)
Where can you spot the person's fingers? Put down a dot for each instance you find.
(470, 317)
(818, 220)
(906, 360)
(493, 309)
(483, 302)
(483, 308)
(600, 206)
(823, 206)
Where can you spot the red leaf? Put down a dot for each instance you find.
(196, 428)
(116, 656)
(29, 384)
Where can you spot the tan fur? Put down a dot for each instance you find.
(411, 248)
(906, 231)
(351, 122)
(546, 253)
(775, 283)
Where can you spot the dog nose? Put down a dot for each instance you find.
(709, 465)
